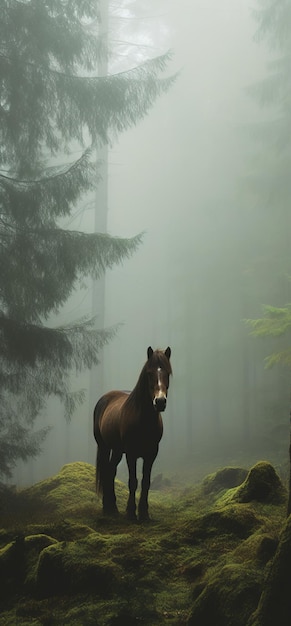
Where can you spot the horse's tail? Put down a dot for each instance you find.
(99, 472)
(102, 467)
(102, 457)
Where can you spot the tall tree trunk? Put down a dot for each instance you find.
(96, 383)
(289, 495)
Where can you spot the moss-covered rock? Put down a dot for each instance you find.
(70, 494)
(263, 485)
(225, 478)
(228, 599)
(236, 520)
(67, 567)
(13, 565)
(259, 548)
(18, 560)
(72, 488)
(275, 602)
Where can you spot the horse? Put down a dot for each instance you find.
(131, 423)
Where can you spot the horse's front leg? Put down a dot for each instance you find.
(132, 486)
(143, 509)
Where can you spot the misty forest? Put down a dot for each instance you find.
(144, 202)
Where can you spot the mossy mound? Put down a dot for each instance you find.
(225, 478)
(239, 521)
(230, 596)
(203, 560)
(68, 494)
(263, 485)
(259, 548)
(74, 566)
(275, 603)
(72, 489)
(18, 560)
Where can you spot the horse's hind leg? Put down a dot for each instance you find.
(107, 462)
(111, 506)
(132, 486)
(143, 512)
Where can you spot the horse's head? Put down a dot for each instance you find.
(158, 368)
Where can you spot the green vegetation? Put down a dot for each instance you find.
(202, 560)
(274, 323)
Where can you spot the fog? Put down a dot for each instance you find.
(178, 178)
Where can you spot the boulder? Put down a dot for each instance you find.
(226, 478)
(275, 602)
(229, 597)
(263, 485)
(74, 566)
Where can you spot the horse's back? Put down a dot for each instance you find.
(107, 417)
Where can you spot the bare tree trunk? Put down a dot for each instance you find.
(289, 495)
(96, 383)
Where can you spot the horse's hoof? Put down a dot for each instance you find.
(144, 519)
(131, 516)
(111, 512)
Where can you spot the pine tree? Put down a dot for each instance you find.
(269, 181)
(52, 102)
(271, 186)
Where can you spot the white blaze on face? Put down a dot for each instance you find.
(159, 382)
(160, 388)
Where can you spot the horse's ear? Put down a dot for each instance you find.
(168, 352)
(150, 352)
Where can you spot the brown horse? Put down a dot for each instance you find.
(131, 423)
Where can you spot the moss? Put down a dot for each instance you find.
(225, 478)
(67, 497)
(204, 557)
(12, 565)
(18, 561)
(263, 485)
(173, 602)
(10, 619)
(259, 547)
(236, 520)
(34, 545)
(71, 488)
(66, 530)
(67, 567)
(230, 596)
(275, 602)
(70, 492)
(193, 570)
(38, 542)
(83, 613)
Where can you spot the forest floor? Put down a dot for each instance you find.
(202, 559)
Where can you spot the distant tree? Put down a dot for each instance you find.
(269, 182)
(52, 102)
(276, 322)
(271, 185)
(267, 264)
